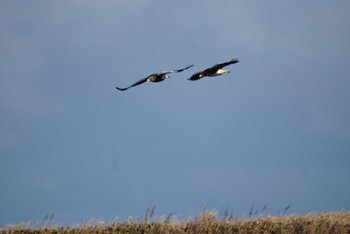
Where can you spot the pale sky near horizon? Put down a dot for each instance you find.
(274, 131)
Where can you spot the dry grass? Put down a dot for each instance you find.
(204, 222)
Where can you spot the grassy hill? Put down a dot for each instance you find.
(205, 222)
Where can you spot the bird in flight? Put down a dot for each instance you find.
(156, 77)
(215, 70)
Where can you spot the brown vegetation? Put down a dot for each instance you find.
(205, 222)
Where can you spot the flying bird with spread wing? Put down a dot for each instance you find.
(215, 70)
(156, 77)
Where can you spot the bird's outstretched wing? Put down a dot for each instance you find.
(218, 66)
(176, 71)
(134, 84)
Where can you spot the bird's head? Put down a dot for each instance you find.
(166, 77)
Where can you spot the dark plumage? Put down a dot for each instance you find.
(213, 71)
(156, 77)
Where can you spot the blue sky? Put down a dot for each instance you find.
(274, 131)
